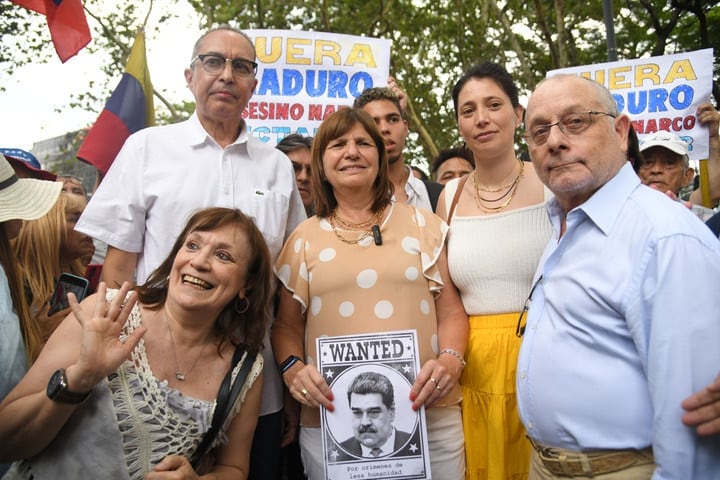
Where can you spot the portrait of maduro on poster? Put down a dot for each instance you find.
(373, 432)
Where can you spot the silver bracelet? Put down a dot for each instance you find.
(455, 354)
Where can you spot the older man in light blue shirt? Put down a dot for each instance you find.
(624, 321)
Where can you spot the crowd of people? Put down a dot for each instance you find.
(563, 307)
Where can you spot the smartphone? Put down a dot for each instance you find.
(92, 273)
(67, 283)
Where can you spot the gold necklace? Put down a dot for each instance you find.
(511, 190)
(365, 227)
(494, 190)
(178, 374)
(349, 225)
(364, 235)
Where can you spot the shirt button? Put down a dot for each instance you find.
(523, 375)
(530, 425)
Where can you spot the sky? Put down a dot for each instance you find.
(34, 93)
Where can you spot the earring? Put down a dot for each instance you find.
(241, 309)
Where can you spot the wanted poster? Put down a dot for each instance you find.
(373, 432)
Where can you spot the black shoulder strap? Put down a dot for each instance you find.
(227, 396)
(434, 190)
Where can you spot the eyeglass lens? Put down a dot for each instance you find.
(215, 64)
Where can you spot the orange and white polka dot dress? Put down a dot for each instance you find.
(347, 289)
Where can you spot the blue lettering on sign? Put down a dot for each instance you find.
(655, 100)
(684, 91)
(336, 84)
(316, 83)
(355, 83)
(292, 82)
(620, 101)
(270, 83)
(275, 134)
(316, 87)
(262, 133)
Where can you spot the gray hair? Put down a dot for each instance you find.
(225, 27)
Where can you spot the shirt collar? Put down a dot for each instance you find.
(385, 449)
(198, 136)
(603, 207)
(414, 185)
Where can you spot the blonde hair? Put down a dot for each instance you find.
(37, 249)
(28, 327)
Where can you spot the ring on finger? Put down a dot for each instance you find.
(432, 379)
(304, 392)
(438, 388)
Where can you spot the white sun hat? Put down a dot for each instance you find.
(24, 198)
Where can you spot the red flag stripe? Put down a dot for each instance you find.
(67, 23)
(129, 109)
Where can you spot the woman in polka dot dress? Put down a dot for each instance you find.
(365, 264)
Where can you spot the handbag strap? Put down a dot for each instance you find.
(456, 197)
(227, 396)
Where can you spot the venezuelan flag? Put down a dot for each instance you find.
(67, 23)
(129, 109)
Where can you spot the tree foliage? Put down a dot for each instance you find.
(433, 40)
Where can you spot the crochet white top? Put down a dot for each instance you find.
(130, 423)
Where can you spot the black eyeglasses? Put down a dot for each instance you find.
(520, 328)
(573, 123)
(214, 64)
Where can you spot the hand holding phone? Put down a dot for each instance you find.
(67, 283)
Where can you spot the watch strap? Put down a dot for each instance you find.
(60, 392)
(289, 362)
(66, 396)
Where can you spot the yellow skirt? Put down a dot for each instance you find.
(495, 443)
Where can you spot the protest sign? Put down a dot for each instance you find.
(659, 93)
(305, 76)
(373, 431)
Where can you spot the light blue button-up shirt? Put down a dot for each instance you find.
(624, 324)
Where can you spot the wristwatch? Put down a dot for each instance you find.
(57, 389)
(289, 362)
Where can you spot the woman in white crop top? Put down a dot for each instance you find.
(499, 228)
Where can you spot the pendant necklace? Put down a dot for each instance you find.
(178, 374)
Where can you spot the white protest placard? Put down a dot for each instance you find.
(305, 76)
(659, 93)
(373, 431)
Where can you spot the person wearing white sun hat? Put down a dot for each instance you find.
(20, 199)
